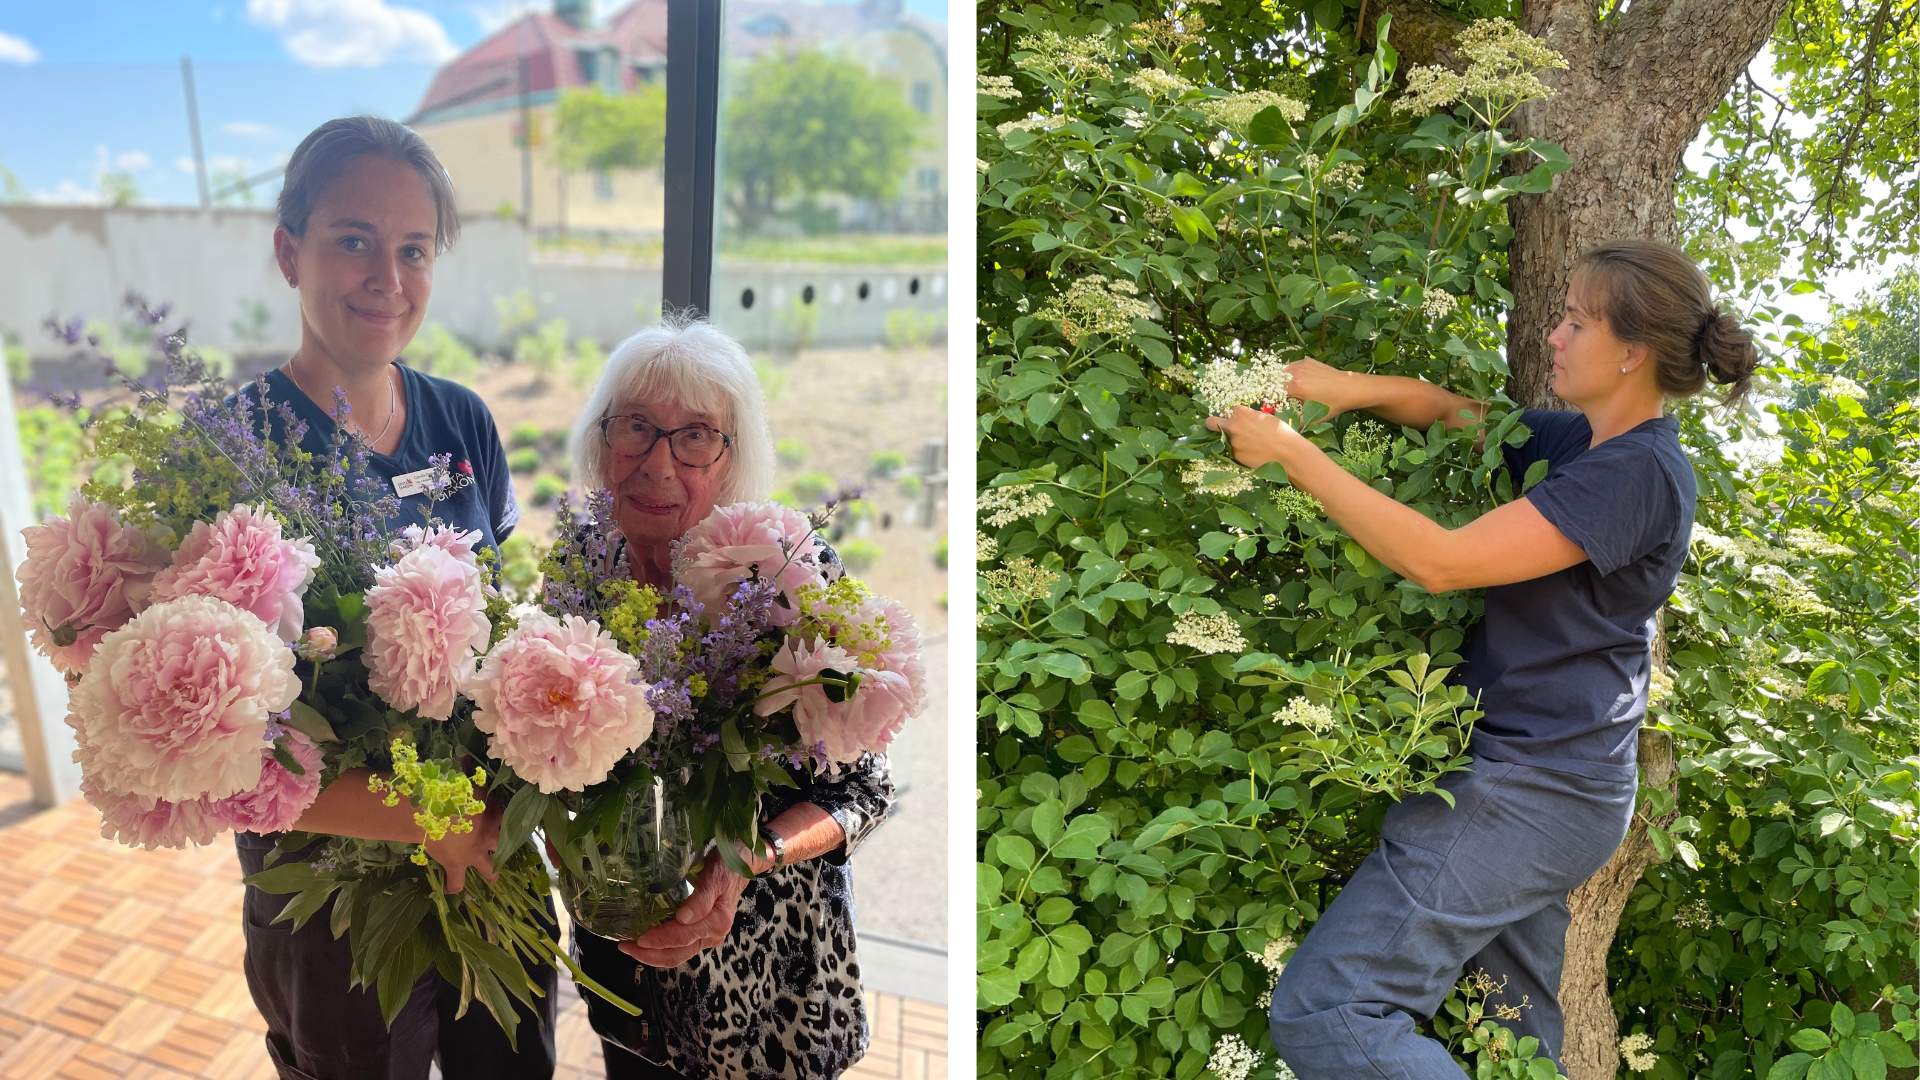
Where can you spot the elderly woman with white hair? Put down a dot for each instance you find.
(753, 977)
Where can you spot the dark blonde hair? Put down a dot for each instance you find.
(1652, 293)
(327, 151)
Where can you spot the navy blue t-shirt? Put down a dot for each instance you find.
(1561, 662)
(442, 418)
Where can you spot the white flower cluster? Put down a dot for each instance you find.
(1659, 686)
(1207, 633)
(1232, 1058)
(1214, 478)
(1366, 439)
(1070, 56)
(1297, 505)
(1236, 111)
(986, 548)
(1501, 62)
(1006, 505)
(997, 86)
(1436, 304)
(1096, 304)
(1226, 383)
(1346, 174)
(1697, 915)
(1036, 122)
(1021, 581)
(1273, 958)
(1315, 718)
(1157, 83)
(1638, 1050)
(1342, 237)
(1791, 593)
(1168, 34)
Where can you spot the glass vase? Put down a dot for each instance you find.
(641, 875)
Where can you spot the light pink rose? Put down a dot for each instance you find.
(743, 540)
(452, 541)
(242, 558)
(281, 796)
(319, 643)
(560, 702)
(426, 618)
(150, 823)
(84, 576)
(174, 704)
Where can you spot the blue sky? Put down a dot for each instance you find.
(92, 85)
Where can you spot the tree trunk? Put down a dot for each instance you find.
(1637, 88)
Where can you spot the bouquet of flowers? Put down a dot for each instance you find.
(240, 624)
(762, 663)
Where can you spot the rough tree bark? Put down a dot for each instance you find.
(1639, 85)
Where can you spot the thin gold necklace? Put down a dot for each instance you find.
(392, 405)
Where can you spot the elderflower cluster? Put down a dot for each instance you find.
(1638, 1050)
(1659, 687)
(1070, 56)
(1436, 304)
(1273, 958)
(1157, 83)
(1297, 505)
(1366, 440)
(1165, 33)
(1014, 502)
(997, 86)
(1345, 174)
(1226, 383)
(1697, 915)
(1791, 593)
(1727, 853)
(1236, 111)
(985, 548)
(1208, 478)
(1501, 62)
(1021, 581)
(1207, 633)
(1036, 122)
(1315, 718)
(1096, 304)
(1232, 1058)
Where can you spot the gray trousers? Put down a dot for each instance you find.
(1482, 884)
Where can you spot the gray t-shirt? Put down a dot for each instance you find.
(1561, 662)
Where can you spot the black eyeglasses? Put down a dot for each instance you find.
(696, 445)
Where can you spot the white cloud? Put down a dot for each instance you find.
(132, 161)
(69, 192)
(15, 50)
(352, 33)
(247, 129)
(184, 164)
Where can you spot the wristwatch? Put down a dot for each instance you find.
(779, 845)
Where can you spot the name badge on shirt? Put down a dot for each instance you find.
(413, 483)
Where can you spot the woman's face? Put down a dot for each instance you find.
(365, 266)
(1586, 355)
(656, 498)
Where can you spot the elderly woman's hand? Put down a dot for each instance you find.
(702, 921)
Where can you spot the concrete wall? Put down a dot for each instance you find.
(67, 261)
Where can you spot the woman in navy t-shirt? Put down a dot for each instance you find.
(1575, 572)
(364, 211)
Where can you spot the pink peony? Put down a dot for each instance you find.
(866, 721)
(743, 540)
(426, 617)
(280, 797)
(84, 576)
(561, 702)
(901, 651)
(452, 541)
(150, 823)
(242, 558)
(319, 644)
(175, 703)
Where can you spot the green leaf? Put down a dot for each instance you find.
(1810, 1039)
(524, 811)
(997, 988)
(307, 720)
(1791, 1067)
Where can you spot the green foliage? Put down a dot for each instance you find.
(544, 350)
(19, 363)
(808, 124)
(858, 554)
(520, 565)
(54, 446)
(910, 329)
(940, 553)
(119, 188)
(597, 131)
(547, 490)
(798, 322)
(1824, 163)
(517, 313)
(886, 462)
(588, 359)
(437, 351)
(811, 487)
(524, 460)
(1196, 697)
(911, 484)
(525, 434)
(790, 452)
